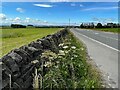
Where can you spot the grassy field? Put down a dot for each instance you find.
(14, 38)
(114, 30)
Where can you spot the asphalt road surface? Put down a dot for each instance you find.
(103, 49)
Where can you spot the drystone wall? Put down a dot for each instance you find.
(18, 65)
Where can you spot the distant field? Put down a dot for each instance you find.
(114, 30)
(14, 38)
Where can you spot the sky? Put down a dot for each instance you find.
(58, 13)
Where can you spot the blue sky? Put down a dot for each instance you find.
(58, 13)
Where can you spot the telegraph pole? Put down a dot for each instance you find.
(69, 22)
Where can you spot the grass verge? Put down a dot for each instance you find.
(114, 30)
(70, 68)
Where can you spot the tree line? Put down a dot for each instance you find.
(83, 25)
(99, 25)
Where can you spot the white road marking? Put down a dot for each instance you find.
(100, 42)
(103, 35)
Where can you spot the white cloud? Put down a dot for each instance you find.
(100, 8)
(43, 5)
(73, 4)
(20, 10)
(17, 19)
(103, 20)
(81, 5)
(2, 16)
(27, 18)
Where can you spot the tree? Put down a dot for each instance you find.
(17, 26)
(99, 25)
(82, 26)
(92, 25)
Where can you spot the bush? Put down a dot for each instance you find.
(17, 26)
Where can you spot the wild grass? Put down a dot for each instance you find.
(16, 37)
(69, 68)
(114, 30)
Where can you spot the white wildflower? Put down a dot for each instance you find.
(61, 44)
(71, 58)
(73, 47)
(56, 66)
(82, 49)
(93, 87)
(48, 64)
(61, 52)
(75, 55)
(57, 62)
(65, 47)
(59, 56)
(51, 58)
(0, 63)
(66, 52)
(35, 61)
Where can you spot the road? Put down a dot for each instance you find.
(103, 48)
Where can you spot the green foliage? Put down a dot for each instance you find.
(114, 30)
(99, 25)
(70, 70)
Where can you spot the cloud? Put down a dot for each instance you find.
(81, 5)
(20, 10)
(73, 4)
(2, 16)
(100, 8)
(43, 5)
(27, 18)
(17, 19)
(103, 20)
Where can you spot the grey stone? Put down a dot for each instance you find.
(45, 43)
(36, 45)
(28, 73)
(11, 64)
(33, 52)
(15, 57)
(14, 67)
(53, 48)
(25, 56)
(28, 82)
(18, 83)
(25, 68)
(5, 72)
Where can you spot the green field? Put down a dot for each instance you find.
(14, 38)
(114, 30)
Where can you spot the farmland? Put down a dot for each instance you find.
(15, 37)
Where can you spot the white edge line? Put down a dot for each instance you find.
(100, 42)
